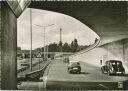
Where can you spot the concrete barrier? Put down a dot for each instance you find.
(34, 75)
(27, 67)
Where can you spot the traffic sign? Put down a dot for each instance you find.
(39, 55)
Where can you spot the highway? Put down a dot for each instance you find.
(56, 77)
(90, 78)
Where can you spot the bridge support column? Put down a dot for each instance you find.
(125, 50)
(8, 47)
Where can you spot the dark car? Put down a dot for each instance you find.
(25, 64)
(74, 67)
(66, 60)
(113, 67)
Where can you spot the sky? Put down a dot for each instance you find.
(71, 29)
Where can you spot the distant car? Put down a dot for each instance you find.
(74, 67)
(113, 67)
(66, 60)
(23, 63)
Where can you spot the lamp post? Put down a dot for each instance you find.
(30, 39)
(44, 34)
(61, 39)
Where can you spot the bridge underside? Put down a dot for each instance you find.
(107, 19)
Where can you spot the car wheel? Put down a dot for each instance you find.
(122, 74)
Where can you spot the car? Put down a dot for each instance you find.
(113, 67)
(66, 60)
(74, 67)
(24, 63)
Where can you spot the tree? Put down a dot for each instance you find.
(66, 47)
(60, 46)
(53, 47)
(72, 46)
(76, 47)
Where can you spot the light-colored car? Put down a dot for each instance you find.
(24, 63)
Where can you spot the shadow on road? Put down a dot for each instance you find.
(84, 73)
(126, 75)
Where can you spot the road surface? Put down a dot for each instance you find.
(56, 77)
(90, 78)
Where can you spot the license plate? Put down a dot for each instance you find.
(118, 72)
(75, 68)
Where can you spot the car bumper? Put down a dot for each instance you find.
(117, 73)
(74, 70)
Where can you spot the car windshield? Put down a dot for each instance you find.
(74, 63)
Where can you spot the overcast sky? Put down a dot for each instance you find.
(71, 28)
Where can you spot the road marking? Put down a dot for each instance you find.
(45, 82)
(104, 86)
(45, 78)
(82, 75)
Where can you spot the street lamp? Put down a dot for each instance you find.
(30, 39)
(47, 47)
(60, 41)
(44, 34)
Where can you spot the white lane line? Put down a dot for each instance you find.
(104, 86)
(45, 81)
(45, 78)
(82, 75)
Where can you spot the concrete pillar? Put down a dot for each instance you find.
(0, 45)
(8, 47)
(125, 45)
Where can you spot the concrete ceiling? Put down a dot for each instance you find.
(107, 19)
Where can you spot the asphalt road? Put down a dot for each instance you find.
(91, 78)
(56, 77)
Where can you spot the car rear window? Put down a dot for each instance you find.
(74, 63)
(116, 63)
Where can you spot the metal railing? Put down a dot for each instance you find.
(87, 49)
(34, 75)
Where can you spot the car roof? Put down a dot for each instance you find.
(113, 61)
(74, 61)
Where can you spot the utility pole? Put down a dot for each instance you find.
(44, 43)
(44, 37)
(60, 39)
(47, 51)
(61, 42)
(60, 35)
(30, 39)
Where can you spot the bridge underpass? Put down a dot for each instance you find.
(107, 19)
(91, 78)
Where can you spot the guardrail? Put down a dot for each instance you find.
(27, 67)
(87, 49)
(34, 75)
